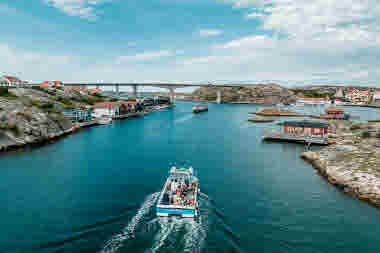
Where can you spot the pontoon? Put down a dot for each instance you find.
(179, 195)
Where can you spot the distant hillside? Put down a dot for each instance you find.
(255, 94)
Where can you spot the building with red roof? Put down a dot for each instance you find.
(12, 81)
(54, 84)
(94, 91)
(112, 109)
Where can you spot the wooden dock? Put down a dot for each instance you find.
(128, 115)
(278, 136)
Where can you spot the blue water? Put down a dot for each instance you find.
(95, 191)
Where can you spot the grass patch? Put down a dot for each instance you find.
(4, 92)
(25, 116)
(10, 127)
(355, 127)
(366, 134)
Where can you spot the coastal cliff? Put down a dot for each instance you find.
(33, 115)
(353, 163)
(253, 94)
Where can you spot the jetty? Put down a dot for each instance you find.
(273, 111)
(128, 115)
(260, 120)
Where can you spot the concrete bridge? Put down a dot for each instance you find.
(170, 86)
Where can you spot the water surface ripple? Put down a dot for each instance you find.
(95, 191)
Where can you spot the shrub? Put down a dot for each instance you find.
(4, 92)
(355, 127)
(25, 116)
(10, 127)
(366, 134)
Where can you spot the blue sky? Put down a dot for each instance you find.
(286, 41)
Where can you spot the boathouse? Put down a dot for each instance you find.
(306, 128)
(78, 115)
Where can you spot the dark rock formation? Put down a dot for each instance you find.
(254, 94)
(33, 115)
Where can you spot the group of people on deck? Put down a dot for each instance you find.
(181, 193)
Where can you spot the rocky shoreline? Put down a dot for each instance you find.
(353, 163)
(31, 116)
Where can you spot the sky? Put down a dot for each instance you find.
(290, 42)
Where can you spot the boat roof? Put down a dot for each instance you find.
(181, 173)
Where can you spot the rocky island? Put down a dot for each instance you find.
(353, 163)
(252, 94)
(276, 112)
(34, 115)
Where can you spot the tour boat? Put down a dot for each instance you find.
(199, 108)
(179, 195)
(104, 120)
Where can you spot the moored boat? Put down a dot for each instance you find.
(104, 120)
(179, 194)
(200, 108)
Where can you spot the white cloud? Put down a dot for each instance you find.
(35, 65)
(149, 55)
(83, 8)
(210, 32)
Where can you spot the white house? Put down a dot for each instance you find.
(109, 109)
(11, 81)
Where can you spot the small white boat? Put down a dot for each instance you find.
(179, 195)
(104, 120)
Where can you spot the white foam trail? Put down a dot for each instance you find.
(194, 237)
(129, 231)
(166, 229)
(183, 119)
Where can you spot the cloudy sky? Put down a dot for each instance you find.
(287, 41)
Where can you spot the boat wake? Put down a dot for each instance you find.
(185, 118)
(150, 234)
(129, 231)
(181, 234)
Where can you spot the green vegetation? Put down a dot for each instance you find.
(26, 116)
(48, 107)
(56, 117)
(68, 104)
(38, 88)
(4, 92)
(10, 127)
(97, 95)
(366, 134)
(355, 127)
(312, 93)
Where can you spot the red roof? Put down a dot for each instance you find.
(12, 79)
(109, 105)
(94, 90)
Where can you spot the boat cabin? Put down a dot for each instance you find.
(306, 128)
(179, 195)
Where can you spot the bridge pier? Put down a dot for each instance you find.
(218, 96)
(172, 95)
(117, 90)
(134, 90)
